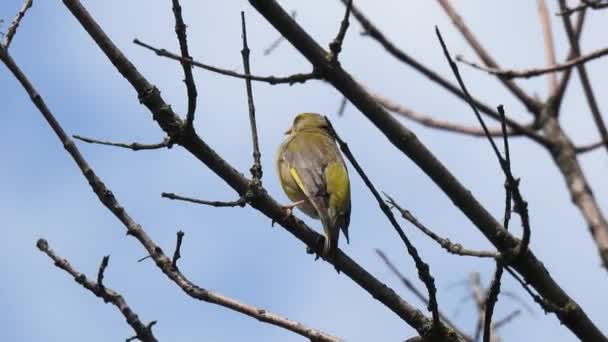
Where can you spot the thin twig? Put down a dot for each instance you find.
(505, 320)
(178, 246)
(135, 146)
(450, 247)
(521, 206)
(12, 29)
(423, 268)
(545, 23)
(597, 4)
(558, 95)
(336, 45)
(582, 73)
(527, 73)
(241, 202)
(274, 45)
(180, 31)
(292, 79)
(590, 147)
(530, 103)
(102, 268)
(444, 125)
(142, 331)
(256, 168)
(342, 106)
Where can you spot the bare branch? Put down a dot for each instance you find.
(274, 45)
(180, 31)
(527, 73)
(505, 320)
(530, 103)
(336, 45)
(143, 332)
(135, 146)
(256, 169)
(545, 23)
(423, 268)
(582, 73)
(590, 147)
(12, 29)
(443, 125)
(241, 202)
(178, 245)
(558, 95)
(292, 79)
(450, 247)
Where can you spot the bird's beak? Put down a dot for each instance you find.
(288, 131)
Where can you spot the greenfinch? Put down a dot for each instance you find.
(313, 175)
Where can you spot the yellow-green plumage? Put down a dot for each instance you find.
(311, 169)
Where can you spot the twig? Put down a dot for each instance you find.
(102, 268)
(597, 4)
(180, 31)
(241, 202)
(292, 79)
(558, 95)
(408, 284)
(256, 168)
(545, 23)
(530, 103)
(342, 106)
(336, 45)
(521, 204)
(142, 331)
(527, 73)
(454, 248)
(582, 73)
(443, 125)
(423, 268)
(178, 245)
(505, 320)
(590, 147)
(12, 29)
(274, 45)
(135, 146)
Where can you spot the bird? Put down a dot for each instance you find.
(314, 177)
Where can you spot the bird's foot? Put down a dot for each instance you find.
(289, 208)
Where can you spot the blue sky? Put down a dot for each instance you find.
(235, 251)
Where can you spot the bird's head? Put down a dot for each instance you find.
(307, 121)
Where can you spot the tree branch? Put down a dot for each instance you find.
(12, 29)
(545, 23)
(531, 104)
(135, 146)
(180, 31)
(143, 332)
(291, 79)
